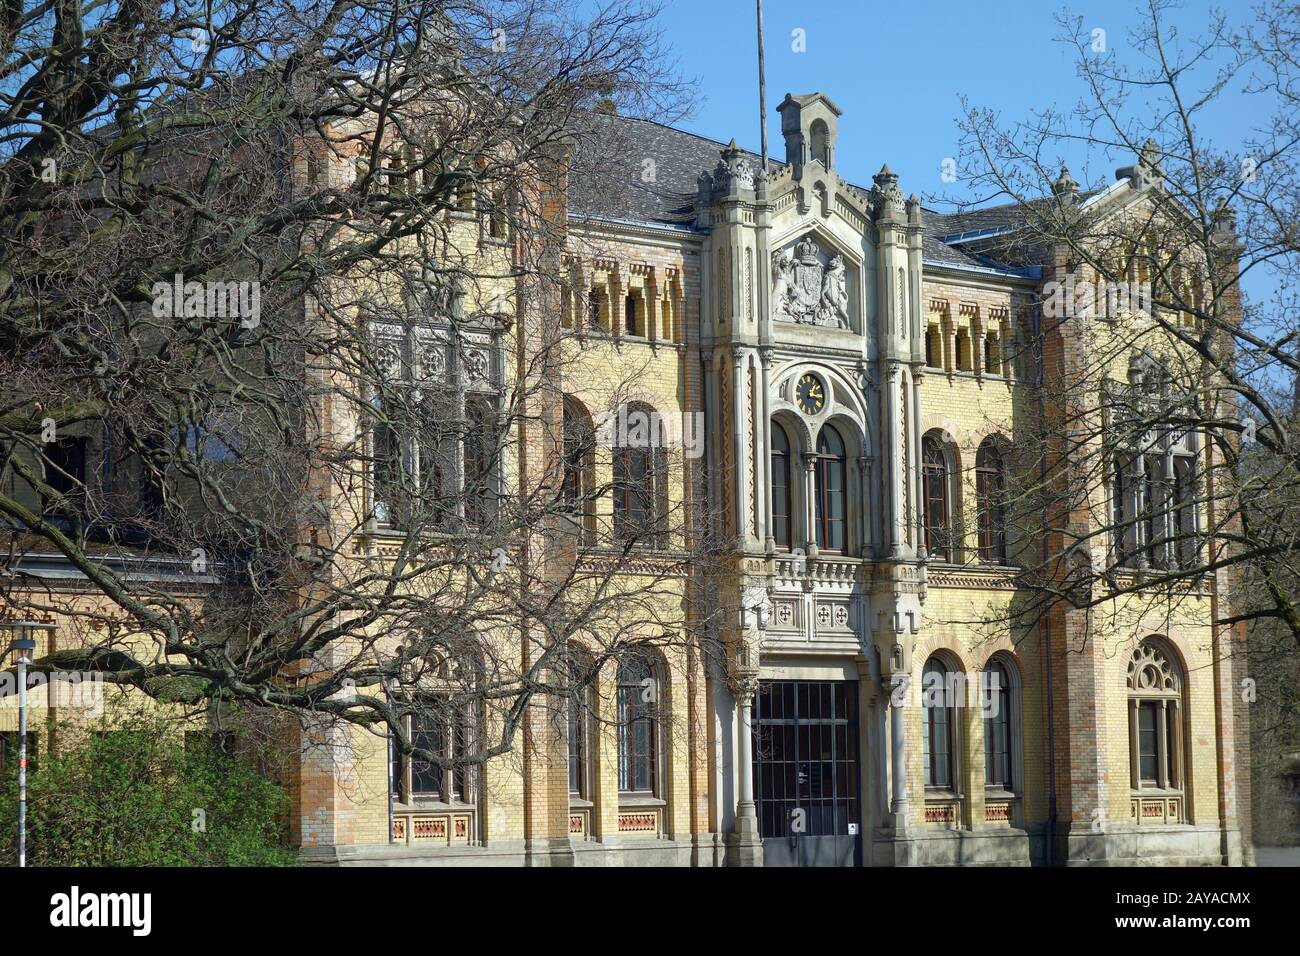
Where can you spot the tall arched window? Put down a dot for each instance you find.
(781, 508)
(578, 711)
(638, 726)
(579, 439)
(935, 478)
(1001, 725)
(1155, 714)
(939, 745)
(641, 479)
(990, 495)
(829, 478)
(821, 143)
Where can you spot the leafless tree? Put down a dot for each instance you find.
(283, 352)
(1159, 450)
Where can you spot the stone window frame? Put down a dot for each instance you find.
(954, 685)
(791, 514)
(987, 502)
(824, 462)
(581, 705)
(429, 355)
(1015, 784)
(1155, 679)
(949, 495)
(441, 676)
(656, 673)
(652, 531)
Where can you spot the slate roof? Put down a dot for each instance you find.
(609, 179)
(636, 170)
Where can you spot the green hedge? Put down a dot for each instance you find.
(136, 795)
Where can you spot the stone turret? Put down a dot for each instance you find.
(810, 124)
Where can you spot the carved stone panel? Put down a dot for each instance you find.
(811, 287)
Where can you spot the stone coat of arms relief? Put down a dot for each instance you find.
(806, 291)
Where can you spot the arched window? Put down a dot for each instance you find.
(781, 508)
(1001, 727)
(821, 143)
(937, 521)
(1155, 705)
(829, 478)
(640, 479)
(638, 726)
(990, 495)
(578, 709)
(940, 699)
(578, 453)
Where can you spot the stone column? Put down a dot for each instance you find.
(892, 446)
(745, 802)
(746, 842)
(712, 434)
(810, 502)
(899, 805)
(765, 452)
(866, 524)
(739, 388)
(1162, 745)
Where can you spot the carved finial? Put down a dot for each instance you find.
(1225, 224)
(885, 192)
(1065, 187)
(1149, 155)
(1147, 171)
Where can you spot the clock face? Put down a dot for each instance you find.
(810, 394)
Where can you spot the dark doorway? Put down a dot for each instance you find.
(806, 773)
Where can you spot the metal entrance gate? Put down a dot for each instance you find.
(806, 772)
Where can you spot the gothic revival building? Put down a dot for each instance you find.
(853, 687)
(863, 367)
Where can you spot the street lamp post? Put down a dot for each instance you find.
(23, 645)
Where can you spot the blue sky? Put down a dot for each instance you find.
(897, 71)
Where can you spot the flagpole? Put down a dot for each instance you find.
(762, 90)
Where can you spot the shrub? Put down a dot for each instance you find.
(140, 794)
